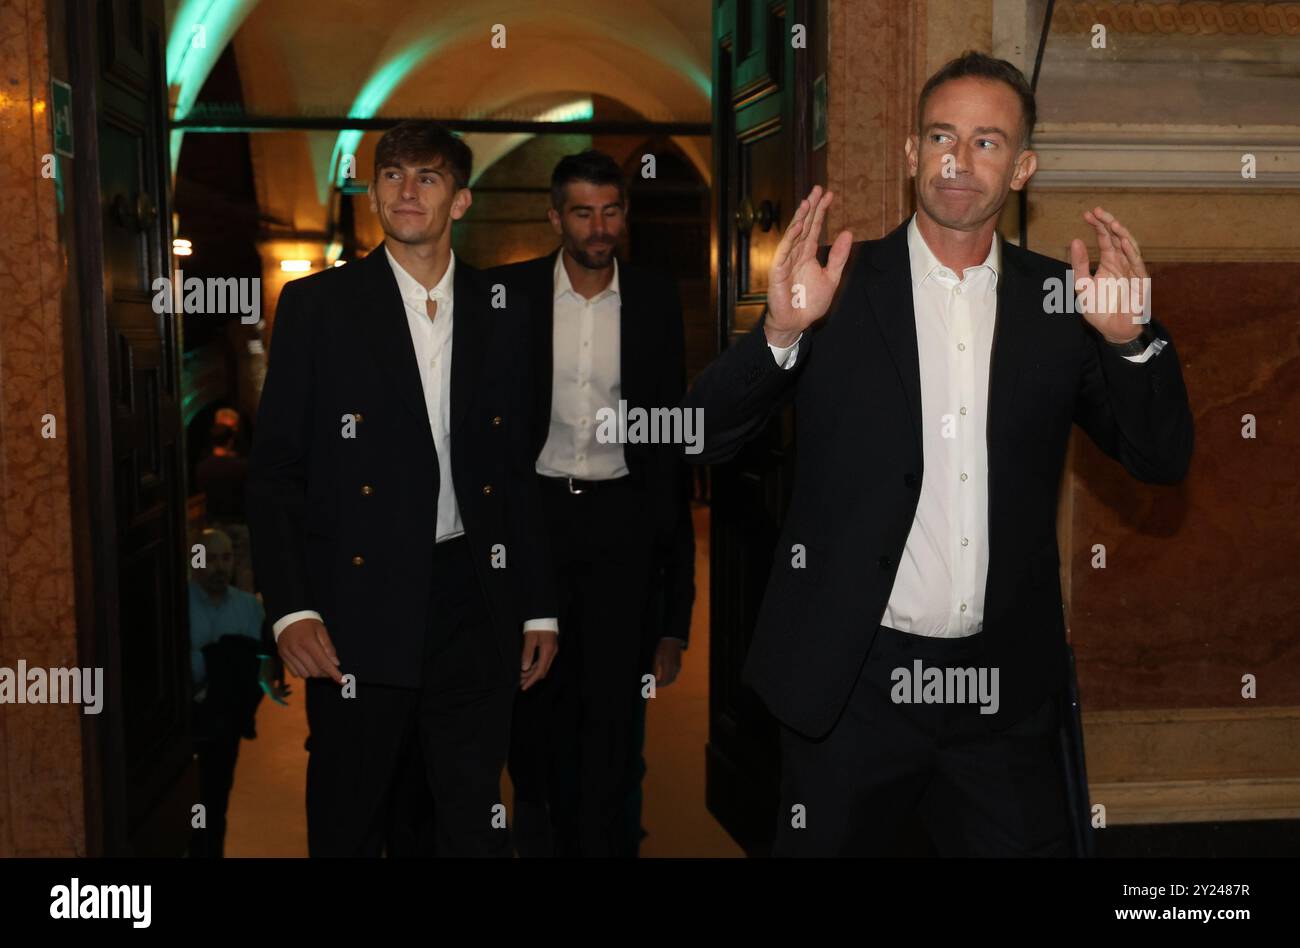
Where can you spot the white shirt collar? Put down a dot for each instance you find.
(414, 291)
(924, 262)
(563, 285)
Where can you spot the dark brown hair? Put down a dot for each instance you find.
(593, 167)
(980, 66)
(417, 142)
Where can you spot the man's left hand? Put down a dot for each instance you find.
(1120, 260)
(540, 647)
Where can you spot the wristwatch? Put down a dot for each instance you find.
(1134, 347)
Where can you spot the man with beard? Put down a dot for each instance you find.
(604, 334)
(394, 514)
(934, 406)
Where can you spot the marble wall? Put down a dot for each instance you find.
(41, 804)
(1202, 580)
(880, 54)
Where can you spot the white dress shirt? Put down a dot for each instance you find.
(939, 587)
(431, 336)
(585, 377)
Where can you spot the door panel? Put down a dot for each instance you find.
(145, 784)
(761, 162)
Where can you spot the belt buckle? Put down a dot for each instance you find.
(571, 490)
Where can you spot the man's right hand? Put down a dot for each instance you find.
(795, 265)
(307, 651)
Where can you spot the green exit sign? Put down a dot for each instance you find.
(61, 116)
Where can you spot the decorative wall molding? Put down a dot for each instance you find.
(1190, 19)
(1205, 764)
(1166, 158)
(1180, 225)
(1198, 801)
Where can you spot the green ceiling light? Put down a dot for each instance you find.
(579, 111)
(491, 147)
(372, 96)
(201, 30)
(698, 76)
(702, 82)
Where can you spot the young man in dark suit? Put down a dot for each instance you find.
(394, 514)
(934, 408)
(607, 340)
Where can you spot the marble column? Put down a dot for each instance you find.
(41, 800)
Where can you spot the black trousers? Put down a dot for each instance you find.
(217, 754)
(458, 721)
(885, 765)
(575, 734)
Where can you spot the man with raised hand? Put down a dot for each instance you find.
(394, 514)
(934, 406)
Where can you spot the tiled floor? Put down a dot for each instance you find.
(266, 815)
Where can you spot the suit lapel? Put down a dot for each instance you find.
(542, 292)
(390, 335)
(1015, 306)
(471, 332)
(632, 355)
(890, 295)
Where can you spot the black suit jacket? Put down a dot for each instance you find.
(858, 468)
(652, 366)
(346, 525)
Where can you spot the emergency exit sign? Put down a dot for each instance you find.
(61, 116)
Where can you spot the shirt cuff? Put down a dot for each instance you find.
(284, 623)
(542, 625)
(1150, 352)
(786, 355)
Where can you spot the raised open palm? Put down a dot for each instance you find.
(799, 288)
(1116, 315)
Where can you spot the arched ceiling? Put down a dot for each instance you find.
(434, 58)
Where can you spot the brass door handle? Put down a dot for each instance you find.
(146, 211)
(747, 217)
(140, 217)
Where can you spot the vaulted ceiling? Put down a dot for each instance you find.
(532, 59)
